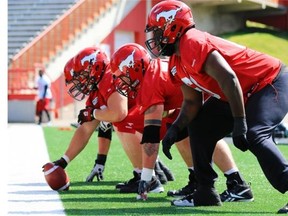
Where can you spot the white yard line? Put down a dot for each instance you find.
(27, 191)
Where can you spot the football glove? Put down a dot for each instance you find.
(105, 125)
(97, 171)
(61, 162)
(239, 133)
(169, 139)
(85, 115)
(143, 189)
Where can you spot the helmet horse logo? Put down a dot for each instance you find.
(128, 62)
(169, 16)
(92, 58)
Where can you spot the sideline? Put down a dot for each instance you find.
(27, 191)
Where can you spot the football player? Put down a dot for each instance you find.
(248, 92)
(148, 81)
(88, 74)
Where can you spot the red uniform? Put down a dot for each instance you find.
(157, 88)
(254, 69)
(98, 99)
(257, 73)
(133, 122)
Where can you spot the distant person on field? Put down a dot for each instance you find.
(43, 85)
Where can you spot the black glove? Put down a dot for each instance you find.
(169, 139)
(61, 162)
(85, 115)
(239, 133)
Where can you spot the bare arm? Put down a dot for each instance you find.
(117, 109)
(81, 138)
(218, 68)
(153, 115)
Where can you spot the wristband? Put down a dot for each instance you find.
(94, 113)
(66, 158)
(101, 159)
(151, 134)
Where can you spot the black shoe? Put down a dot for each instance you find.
(185, 191)
(188, 189)
(136, 177)
(156, 186)
(160, 173)
(130, 186)
(237, 192)
(283, 210)
(169, 175)
(203, 196)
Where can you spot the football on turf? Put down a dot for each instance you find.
(56, 177)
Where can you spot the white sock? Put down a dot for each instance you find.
(233, 170)
(146, 174)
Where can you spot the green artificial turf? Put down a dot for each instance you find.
(101, 198)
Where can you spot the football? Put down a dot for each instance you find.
(56, 177)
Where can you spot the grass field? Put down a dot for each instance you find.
(101, 198)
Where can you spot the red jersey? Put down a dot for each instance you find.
(254, 69)
(133, 122)
(98, 99)
(157, 88)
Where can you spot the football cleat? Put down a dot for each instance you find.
(283, 210)
(168, 173)
(188, 189)
(185, 191)
(201, 197)
(130, 186)
(237, 192)
(160, 173)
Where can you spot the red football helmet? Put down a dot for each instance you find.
(88, 68)
(69, 71)
(167, 21)
(128, 65)
(70, 81)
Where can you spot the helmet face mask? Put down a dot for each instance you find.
(81, 85)
(128, 65)
(87, 69)
(154, 44)
(75, 90)
(167, 20)
(127, 87)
